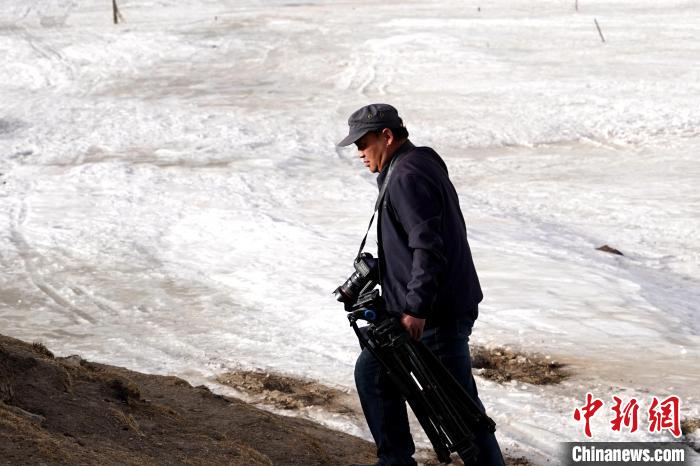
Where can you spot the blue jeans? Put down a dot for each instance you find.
(385, 408)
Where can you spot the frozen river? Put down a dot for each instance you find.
(171, 199)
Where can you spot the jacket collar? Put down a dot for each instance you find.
(407, 146)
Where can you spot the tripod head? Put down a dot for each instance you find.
(369, 306)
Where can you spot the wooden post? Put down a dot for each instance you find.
(576, 5)
(115, 12)
(599, 31)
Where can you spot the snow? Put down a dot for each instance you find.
(172, 199)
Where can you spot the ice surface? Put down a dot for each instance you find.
(172, 199)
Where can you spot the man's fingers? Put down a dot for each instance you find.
(416, 333)
(413, 326)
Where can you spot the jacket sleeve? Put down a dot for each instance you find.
(417, 203)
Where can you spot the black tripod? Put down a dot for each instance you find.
(448, 415)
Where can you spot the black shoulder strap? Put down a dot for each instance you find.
(380, 197)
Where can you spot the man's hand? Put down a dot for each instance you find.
(413, 325)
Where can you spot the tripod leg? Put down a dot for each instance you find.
(431, 430)
(384, 409)
(438, 393)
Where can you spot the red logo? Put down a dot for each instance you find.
(589, 409)
(662, 415)
(626, 416)
(665, 415)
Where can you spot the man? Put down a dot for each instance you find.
(427, 274)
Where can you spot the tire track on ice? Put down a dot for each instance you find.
(360, 77)
(27, 254)
(52, 55)
(371, 78)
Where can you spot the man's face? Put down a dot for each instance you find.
(372, 149)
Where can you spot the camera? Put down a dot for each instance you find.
(364, 279)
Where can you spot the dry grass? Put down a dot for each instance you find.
(42, 350)
(125, 421)
(503, 365)
(286, 392)
(689, 426)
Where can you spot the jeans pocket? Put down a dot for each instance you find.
(457, 330)
(464, 328)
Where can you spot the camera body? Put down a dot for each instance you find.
(361, 283)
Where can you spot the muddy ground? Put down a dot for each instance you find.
(505, 364)
(691, 433)
(291, 393)
(70, 411)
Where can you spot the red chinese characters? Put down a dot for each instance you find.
(592, 405)
(627, 415)
(662, 415)
(665, 415)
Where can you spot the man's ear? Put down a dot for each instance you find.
(388, 135)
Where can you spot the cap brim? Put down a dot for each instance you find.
(353, 137)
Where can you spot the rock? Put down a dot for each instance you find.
(606, 248)
(71, 361)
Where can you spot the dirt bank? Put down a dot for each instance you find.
(70, 411)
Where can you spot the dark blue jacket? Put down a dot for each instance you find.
(426, 265)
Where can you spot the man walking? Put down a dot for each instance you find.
(427, 275)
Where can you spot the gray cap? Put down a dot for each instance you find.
(371, 118)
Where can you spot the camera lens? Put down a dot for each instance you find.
(365, 273)
(348, 291)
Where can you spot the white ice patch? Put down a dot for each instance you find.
(172, 200)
